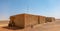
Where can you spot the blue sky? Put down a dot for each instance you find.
(40, 7)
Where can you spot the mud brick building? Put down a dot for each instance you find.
(29, 20)
(50, 19)
(41, 19)
(11, 22)
(11, 19)
(24, 20)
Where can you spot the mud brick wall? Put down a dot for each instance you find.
(41, 19)
(19, 20)
(24, 20)
(46, 20)
(30, 20)
(53, 19)
(11, 19)
(50, 19)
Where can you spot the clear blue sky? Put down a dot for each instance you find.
(41, 7)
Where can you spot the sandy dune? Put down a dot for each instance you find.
(50, 26)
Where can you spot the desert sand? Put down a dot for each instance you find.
(50, 26)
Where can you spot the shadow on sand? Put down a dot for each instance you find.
(13, 28)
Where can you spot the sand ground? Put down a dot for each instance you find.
(50, 26)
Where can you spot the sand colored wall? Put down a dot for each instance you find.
(46, 20)
(50, 19)
(41, 19)
(53, 19)
(11, 19)
(23, 20)
(30, 20)
(19, 20)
